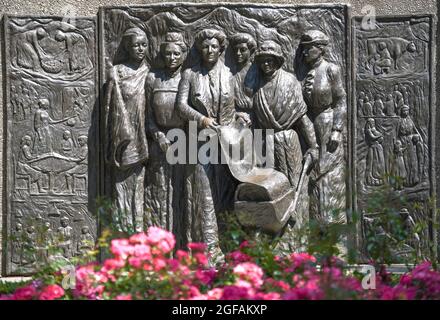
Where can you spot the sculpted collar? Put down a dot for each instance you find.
(318, 62)
(170, 73)
(211, 70)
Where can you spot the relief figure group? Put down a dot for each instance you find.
(147, 106)
(143, 104)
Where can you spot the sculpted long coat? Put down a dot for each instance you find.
(326, 104)
(196, 98)
(209, 187)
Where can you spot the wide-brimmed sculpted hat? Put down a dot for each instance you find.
(314, 37)
(270, 48)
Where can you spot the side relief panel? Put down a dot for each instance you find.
(394, 132)
(51, 94)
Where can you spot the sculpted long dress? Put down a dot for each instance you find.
(406, 130)
(126, 145)
(206, 93)
(164, 186)
(375, 165)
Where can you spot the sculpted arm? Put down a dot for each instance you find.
(339, 97)
(183, 108)
(339, 106)
(305, 126)
(152, 129)
(150, 121)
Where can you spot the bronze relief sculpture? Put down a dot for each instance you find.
(164, 183)
(126, 143)
(210, 72)
(244, 47)
(394, 68)
(326, 105)
(52, 147)
(206, 96)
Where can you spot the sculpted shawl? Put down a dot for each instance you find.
(279, 103)
(126, 142)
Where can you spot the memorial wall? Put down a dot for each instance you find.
(106, 102)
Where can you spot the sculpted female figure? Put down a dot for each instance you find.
(279, 105)
(164, 184)
(206, 96)
(245, 73)
(406, 134)
(375, 165)
(126, 148)
(326, 103)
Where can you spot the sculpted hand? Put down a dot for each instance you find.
(164, 144)
(313, 153)
(210, 123)
(245, 118)
(335, 138)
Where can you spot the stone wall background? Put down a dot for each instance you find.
(90, 8)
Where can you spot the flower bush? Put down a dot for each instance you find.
(147, 266)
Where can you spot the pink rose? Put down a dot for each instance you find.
(238, 257)
(159, 264)
(267, 296)
(173, 264)
(51, 292)
(206, 276)
(164, 240)
(236, 293)
(182, 255)
(135, 262)
(112, 264)
(139, 238)
(201, 259)
(197, 246)
(302, 259)
(25, 293)
(142, 251)
(250, 272)
(121, 248)
(215, 294)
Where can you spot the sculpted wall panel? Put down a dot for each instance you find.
(394, 99)
(51, 95)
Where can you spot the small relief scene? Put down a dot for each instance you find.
(46, 48)
(393, 135)
(394, 48)
(51, 146)
(42, 231)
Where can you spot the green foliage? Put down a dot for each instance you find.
(7, 287)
